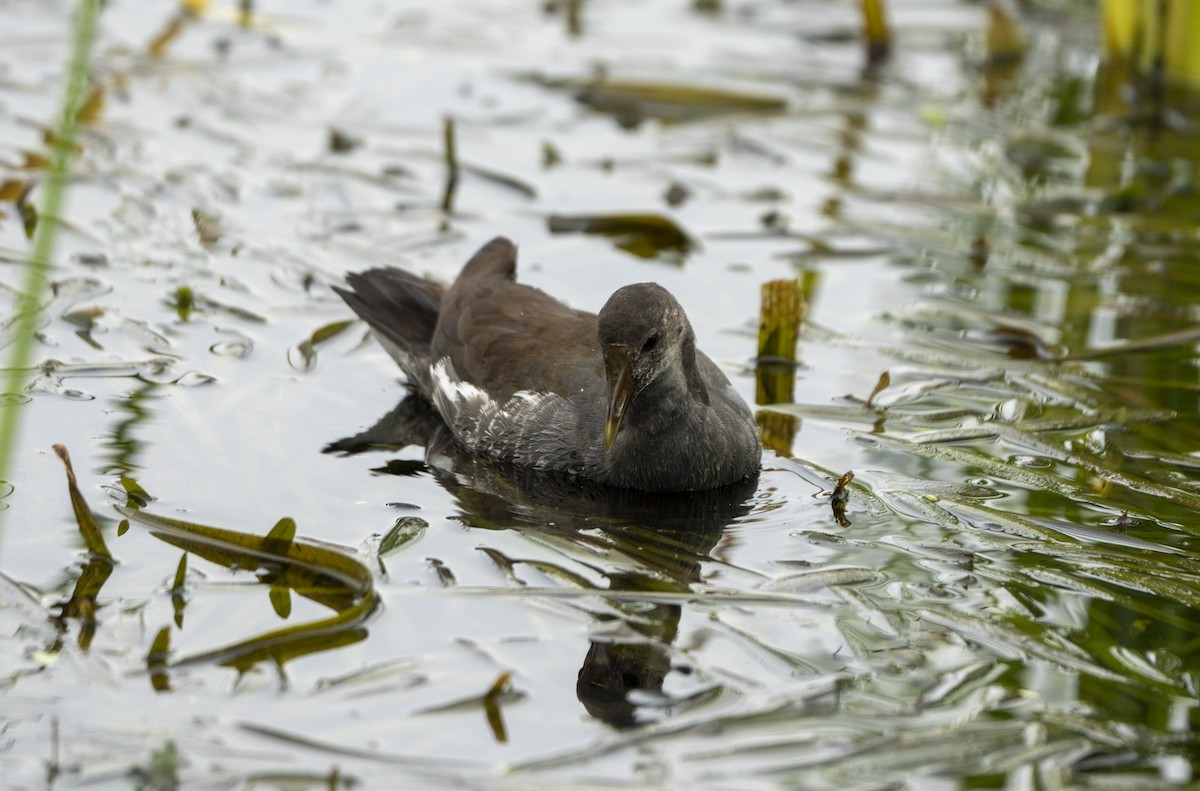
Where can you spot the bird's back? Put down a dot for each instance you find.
(505, 337)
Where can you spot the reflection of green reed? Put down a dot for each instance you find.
(43, 240)
(135, 409)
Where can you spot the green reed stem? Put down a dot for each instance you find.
(38, 267)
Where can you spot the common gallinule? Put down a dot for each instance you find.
(624, 398)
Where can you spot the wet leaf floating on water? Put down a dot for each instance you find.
(327, 577)
(135, 495)
(491, 706)
(500, 691)
(281, 536)
(642, 235)
(157, 658)
(444, 574)
(633, 101)
(504, 563)
(99, 566)
(406, 530)
(89, 527)
(306, 350)
(281, 601)
(178, 588)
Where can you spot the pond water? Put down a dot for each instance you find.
(1011, 599)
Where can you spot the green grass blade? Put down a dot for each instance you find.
(37, 269)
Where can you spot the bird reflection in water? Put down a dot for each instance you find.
(669, 536)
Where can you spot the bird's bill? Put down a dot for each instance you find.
(618, 369)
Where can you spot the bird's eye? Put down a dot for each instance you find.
(650, 343)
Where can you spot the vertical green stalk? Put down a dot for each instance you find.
(38, 267)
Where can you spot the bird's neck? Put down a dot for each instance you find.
(668, 399)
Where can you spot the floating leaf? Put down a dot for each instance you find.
(307, 349)
(491, 706)
(406, 530)
(643, 235)
(632, 101)
(445, 575)
(156, 660)
(178, 597)
(136, 496)
(89, 527)
(281, 536)
(329, 578)
(500, 691)
(281, 601)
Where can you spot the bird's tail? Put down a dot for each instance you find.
(402, 310)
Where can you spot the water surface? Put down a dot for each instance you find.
(1012, 604)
